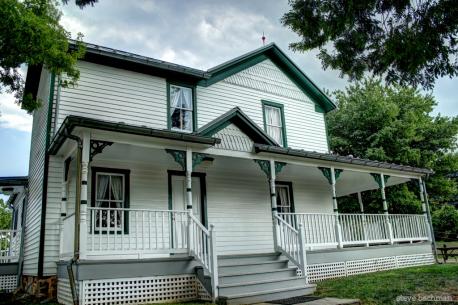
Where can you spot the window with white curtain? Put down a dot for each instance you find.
(274, 124)
(109, 195)
(284, 198)
(181, 108)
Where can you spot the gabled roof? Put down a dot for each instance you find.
(130, 61)
(14, 181)
(242, 121)
(283, 62)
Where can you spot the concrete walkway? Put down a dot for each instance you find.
(324, 301)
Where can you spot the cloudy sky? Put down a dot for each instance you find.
(195, 33)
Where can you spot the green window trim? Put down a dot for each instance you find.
(194, 104)
(282, 112)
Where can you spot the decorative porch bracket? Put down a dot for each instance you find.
(180, 157)
(198, 158)
(327, 173)
(378, 179)
(265, 166)
(97, 147)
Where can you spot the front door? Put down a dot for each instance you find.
(178, 203)
(179, 195)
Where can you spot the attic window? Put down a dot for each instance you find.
(181, 108)
(274, 122)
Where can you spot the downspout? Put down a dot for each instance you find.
(21, 250)
(76, 245)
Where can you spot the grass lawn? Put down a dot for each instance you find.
(383, 287)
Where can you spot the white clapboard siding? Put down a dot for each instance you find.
(36, 169)
(115, 95)
(232, 138)
(52, 224)
(305, 127)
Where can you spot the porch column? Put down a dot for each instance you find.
(271, 168)
(188, 170)
(273, 201)
(83, 209)
(360, 201)
(423, 206)
(361, 208)
(427, 212)
(336, 209)
(63, 202)
(381, 179)
(332, 175)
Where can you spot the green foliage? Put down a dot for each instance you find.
(5, 216)
(445, 222)
(394, 124)
(30, 34)
(407, 42)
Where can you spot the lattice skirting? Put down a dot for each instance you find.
(319, 272)
(140, 290)
(8, 283)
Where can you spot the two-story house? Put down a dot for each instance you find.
(154, 182)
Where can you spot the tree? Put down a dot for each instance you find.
(394, 124)
(445, 222)
(5, 216)
(406, 42)
(30, 34)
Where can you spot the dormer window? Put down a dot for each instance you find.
(274, 122)
(181, 108)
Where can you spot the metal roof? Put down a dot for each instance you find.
(341, 159)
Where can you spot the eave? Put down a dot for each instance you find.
(259, 148)
(71, 122)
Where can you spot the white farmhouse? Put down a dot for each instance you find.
(152, 182)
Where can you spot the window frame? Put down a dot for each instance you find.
(282, 116)
(194, 106)
(117, 171)
(288, 184)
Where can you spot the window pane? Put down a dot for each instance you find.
(181, 108)
(102, 187)
(273, 116)
(275, 133)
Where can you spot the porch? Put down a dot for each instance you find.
(138, 198)
(115, 233)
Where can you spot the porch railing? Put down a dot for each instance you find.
(329, 230)
(10, 243)
(203, 247)
(140, 232)
(291, 243)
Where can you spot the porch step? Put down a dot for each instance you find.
(257, 275)
(253, 267)
(268, 295)
(254, 278)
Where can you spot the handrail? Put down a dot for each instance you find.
(330, 230)
(10, 241)
(291, 243)
(202, 245)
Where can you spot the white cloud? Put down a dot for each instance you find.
(12, 116)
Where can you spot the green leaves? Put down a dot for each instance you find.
(406, 42)
(394, 124)
(30, 34)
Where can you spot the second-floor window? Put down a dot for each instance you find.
(181, 108)
(274, 122)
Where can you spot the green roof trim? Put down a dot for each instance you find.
(282, 61)
(241, 120)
